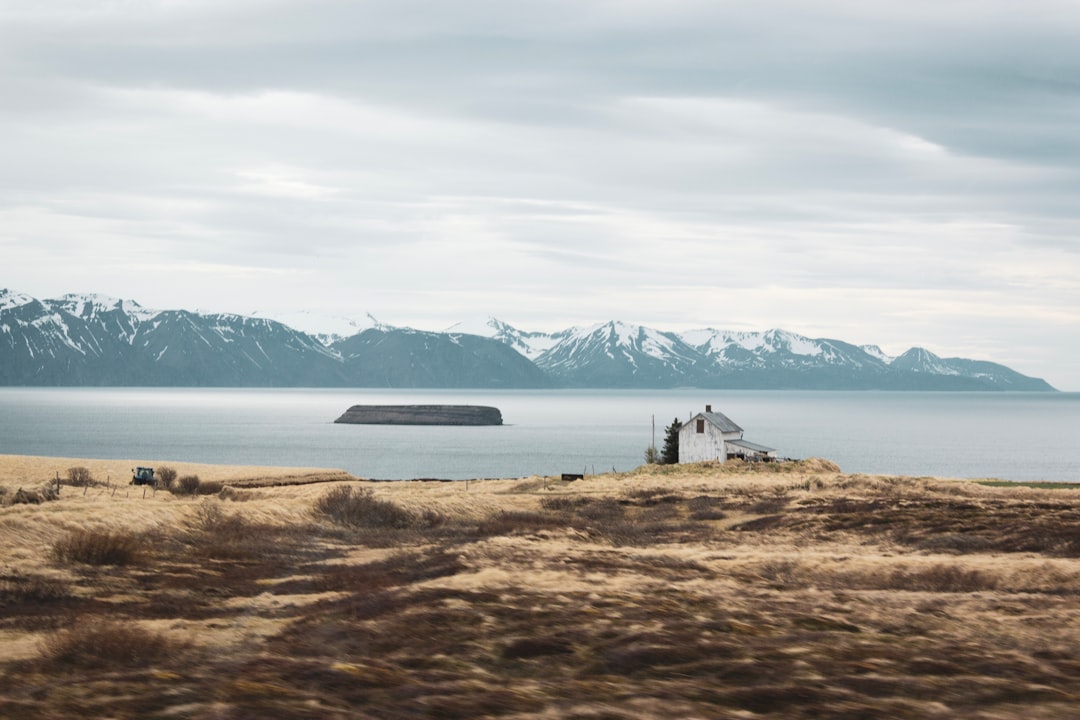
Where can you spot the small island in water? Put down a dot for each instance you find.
(421, 415)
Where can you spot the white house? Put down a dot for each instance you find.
(714, 436)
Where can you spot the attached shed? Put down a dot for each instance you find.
(714, 436)
(750, 451)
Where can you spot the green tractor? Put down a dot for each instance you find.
(142, 476)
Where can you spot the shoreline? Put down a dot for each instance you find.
(37, 470)
(29, 472)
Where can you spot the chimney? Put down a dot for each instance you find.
(708, 408)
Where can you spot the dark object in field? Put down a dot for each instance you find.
(421, 415)
(142, 476)
(570, 477)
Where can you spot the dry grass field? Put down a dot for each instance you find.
(785, 591)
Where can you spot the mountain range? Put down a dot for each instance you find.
(101, 341)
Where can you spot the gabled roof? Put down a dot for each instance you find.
(722, 422)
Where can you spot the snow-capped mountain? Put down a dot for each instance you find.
(617, 354)
(98, 340)
(9, 299)
(328, 329)
(923, 362)
(91, 306)
(530, 344)
(876, 352)
(777, 348)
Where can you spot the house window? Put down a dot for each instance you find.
(700, 425)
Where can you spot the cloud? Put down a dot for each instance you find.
(893, 173)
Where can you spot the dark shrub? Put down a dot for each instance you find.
(105, 643)
(704, 507)
(955, 543)
(208, 517)
(561, 503)
(33, 588)
(652, 496)
(767, 506)
(166, 476)
(606, 510)
(187, 485)
(360, 508)
(79, 476)
(97, 547)
(517, 522)
(941, 578)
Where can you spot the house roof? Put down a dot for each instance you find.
(751, 446)
(720, 420)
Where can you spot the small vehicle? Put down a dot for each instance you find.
(142, 476)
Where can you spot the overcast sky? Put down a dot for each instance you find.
(879, 172)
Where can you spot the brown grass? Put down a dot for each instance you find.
(704, 591)
(36, 471)
(98, 547)
(354, 507)
(110, 644)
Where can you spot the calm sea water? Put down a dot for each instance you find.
(1015, 436)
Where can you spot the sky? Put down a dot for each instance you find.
(900, 174)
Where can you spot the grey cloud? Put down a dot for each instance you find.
(610, 145)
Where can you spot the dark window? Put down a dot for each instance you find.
(700, 425)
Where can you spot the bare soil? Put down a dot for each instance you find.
(785, 591)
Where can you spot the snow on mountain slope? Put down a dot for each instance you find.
(99, 340)
(89, 306)
(11, 299)
(487, 327)
(529, 344)
(738, 349)
(328, 329)
(619, 354)
(923, 361)
(875, 352)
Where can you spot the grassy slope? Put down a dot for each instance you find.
(691, 592)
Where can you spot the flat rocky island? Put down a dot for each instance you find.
(421, 415)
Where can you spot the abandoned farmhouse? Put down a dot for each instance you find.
(714, 436)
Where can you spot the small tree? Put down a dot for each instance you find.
(670, 454)
(652, 455)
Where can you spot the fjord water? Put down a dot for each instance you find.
(1013, 436)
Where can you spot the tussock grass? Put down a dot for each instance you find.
(109, 643)
(98, 547)
(563, 503)
(360, 508)
(669, 592)
(704, 507)
(18, 589)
